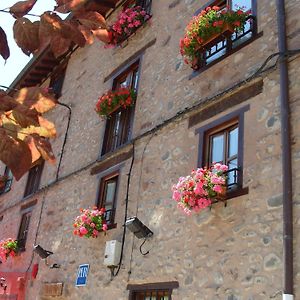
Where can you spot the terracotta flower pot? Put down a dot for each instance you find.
(227, 30)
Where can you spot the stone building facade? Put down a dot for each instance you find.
(228, 252)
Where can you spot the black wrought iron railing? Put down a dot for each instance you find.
(224, 45)
(7, 186)
(145, 4)
(109, 216)
(232, 180)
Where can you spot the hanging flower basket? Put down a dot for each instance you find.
(90, 223)
(128, 21)
(113, 100)
(209, 27)
(3, 180)
(8, 248)
(199, 190)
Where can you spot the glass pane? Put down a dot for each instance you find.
(231, 175)
(243, 4)
(135, 80)
(233, 142)
(217, 148)
(110, 192)
(215, 54)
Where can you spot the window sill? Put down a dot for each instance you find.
(4, 192)
(236, 193)
(112, 226)
(246, 43)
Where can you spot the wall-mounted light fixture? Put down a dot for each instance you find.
(43, 254)
(138, 228)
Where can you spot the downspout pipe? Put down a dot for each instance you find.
(288, 284)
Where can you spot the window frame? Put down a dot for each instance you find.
(23, 233)
(203, 65)
(101, 191)
(34, 178)
(153, 287)
(110, 142)
(58, 78)
(8, 184)
(235, 117)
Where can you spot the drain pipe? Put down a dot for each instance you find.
(288, 284)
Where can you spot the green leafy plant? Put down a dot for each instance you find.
(205, 25)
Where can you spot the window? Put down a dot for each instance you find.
(107, 197)
(223, 141)
(221, 145)
(57, 80)
(8, 182)
(24, 226)
(225, 46)
(152, 291)
(146, 4)
(34, 178)
(119, 124)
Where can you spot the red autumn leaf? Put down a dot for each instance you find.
(7, 103)
(91, 19)
(88, 35)
(4, 49)
(45, 129)
(40, 146)
(51, 24)
(60, 45)
(44, 147)
(26, 35)
(15, 154)
(25, 116)
(21, 8)
(35, 153)
(71, 31)
(65, 6)
(102, 34)
(36, 97)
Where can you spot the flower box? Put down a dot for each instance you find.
(207, 29)
(200, 189)
(113, 100)
(226, 32)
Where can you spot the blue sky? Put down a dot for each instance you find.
(17, 59)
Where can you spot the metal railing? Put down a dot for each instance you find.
(232, 180)
(226, 45)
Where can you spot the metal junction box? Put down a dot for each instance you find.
(112, 253)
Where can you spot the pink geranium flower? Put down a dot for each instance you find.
(197, 191)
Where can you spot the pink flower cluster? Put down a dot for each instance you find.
(8, 248)
(90, 222)
(128, 21)
(196, 191)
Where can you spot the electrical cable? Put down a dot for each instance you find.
(65, 138)
(126, 211)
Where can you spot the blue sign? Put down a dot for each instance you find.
(82, 274)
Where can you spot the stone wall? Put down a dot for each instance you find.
(228, 253)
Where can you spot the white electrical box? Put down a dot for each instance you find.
(112, 253)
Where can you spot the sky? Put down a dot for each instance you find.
(17, 59)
